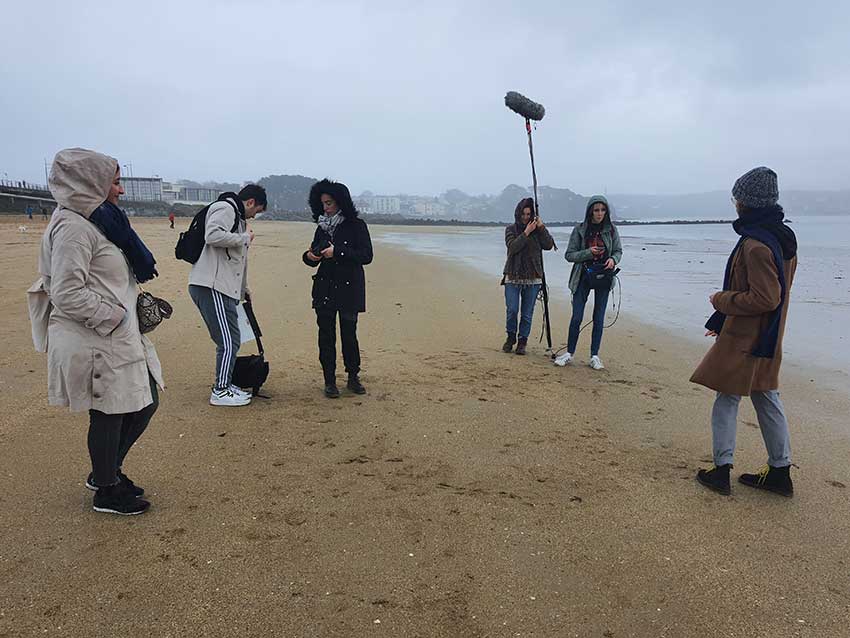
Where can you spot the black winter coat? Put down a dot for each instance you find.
(340, 283)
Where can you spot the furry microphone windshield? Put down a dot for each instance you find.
(520, 104)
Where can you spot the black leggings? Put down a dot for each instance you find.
(112, 435)
(326, 319)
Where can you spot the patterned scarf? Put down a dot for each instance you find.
(329, 223)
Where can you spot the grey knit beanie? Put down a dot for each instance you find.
(757, 188)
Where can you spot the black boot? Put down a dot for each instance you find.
(354, 384)
(716, 479)
(520, 346)
(509, 343)
(772, 479)
(331, 391)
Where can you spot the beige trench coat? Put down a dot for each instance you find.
(83, 307)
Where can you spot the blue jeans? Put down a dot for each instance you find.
(520, 300)
(600, 303)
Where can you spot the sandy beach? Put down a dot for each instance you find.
(469, 493)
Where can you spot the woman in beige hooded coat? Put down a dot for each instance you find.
(83, 312)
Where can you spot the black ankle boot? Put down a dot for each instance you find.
(716, 479)
(331, 391)
(354, 384)
(772, 479)
(520, 346)
(509, 343)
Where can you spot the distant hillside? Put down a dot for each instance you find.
(287, 192)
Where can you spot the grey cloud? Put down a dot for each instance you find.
(397, 97)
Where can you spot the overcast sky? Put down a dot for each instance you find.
(640, 97)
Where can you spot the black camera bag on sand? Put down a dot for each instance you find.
(252, 370)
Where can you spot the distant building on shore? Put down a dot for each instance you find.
(154, 189)
(192, 195)
(379, 204)
(142, 189)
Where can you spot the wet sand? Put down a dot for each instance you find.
(469, 493)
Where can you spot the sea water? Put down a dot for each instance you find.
(669, 271)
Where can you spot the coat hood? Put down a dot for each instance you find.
(338, 191)
(598, 199)
(80, 179)
(527, 202)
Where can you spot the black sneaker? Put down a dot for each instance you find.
(772, 479)
(123, 479)
(331, 391)
(116, 499)
(508, 346)
(716, 479)
(354, 384)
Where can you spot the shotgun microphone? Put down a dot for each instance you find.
(521, 105)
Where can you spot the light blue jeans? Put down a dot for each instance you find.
(520, 300)
(772, 421)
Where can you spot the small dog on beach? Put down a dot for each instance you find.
(22, 229)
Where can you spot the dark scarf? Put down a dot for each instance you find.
(113, 222)
(764, 225)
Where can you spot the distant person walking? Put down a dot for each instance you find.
(29, 211)
(341, 247)
(218, 282)
(594, 248)
(526, 239)
(44, 214)
(83, 311)
(171, 219)
(749, 323)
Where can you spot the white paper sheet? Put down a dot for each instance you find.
(245, 331)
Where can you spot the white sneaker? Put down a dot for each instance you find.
(228, 398)
(563, 359)
(596, 363)
(239, 391)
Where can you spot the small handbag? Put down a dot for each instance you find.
(599, 277)
(151, 311)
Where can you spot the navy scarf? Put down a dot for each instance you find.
(113, 222)
(764, 225)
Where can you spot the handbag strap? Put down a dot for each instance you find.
(252, 320)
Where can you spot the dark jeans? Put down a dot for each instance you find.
(520, 300)
(326, 320)
(112, 435)
(600, 303)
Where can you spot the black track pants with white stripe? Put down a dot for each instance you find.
(219, 313)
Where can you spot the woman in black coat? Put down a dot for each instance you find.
(341, 247)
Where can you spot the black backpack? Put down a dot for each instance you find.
(191, 243)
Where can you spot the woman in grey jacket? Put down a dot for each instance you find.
(594, 242)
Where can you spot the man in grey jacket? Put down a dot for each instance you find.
(218, 282)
